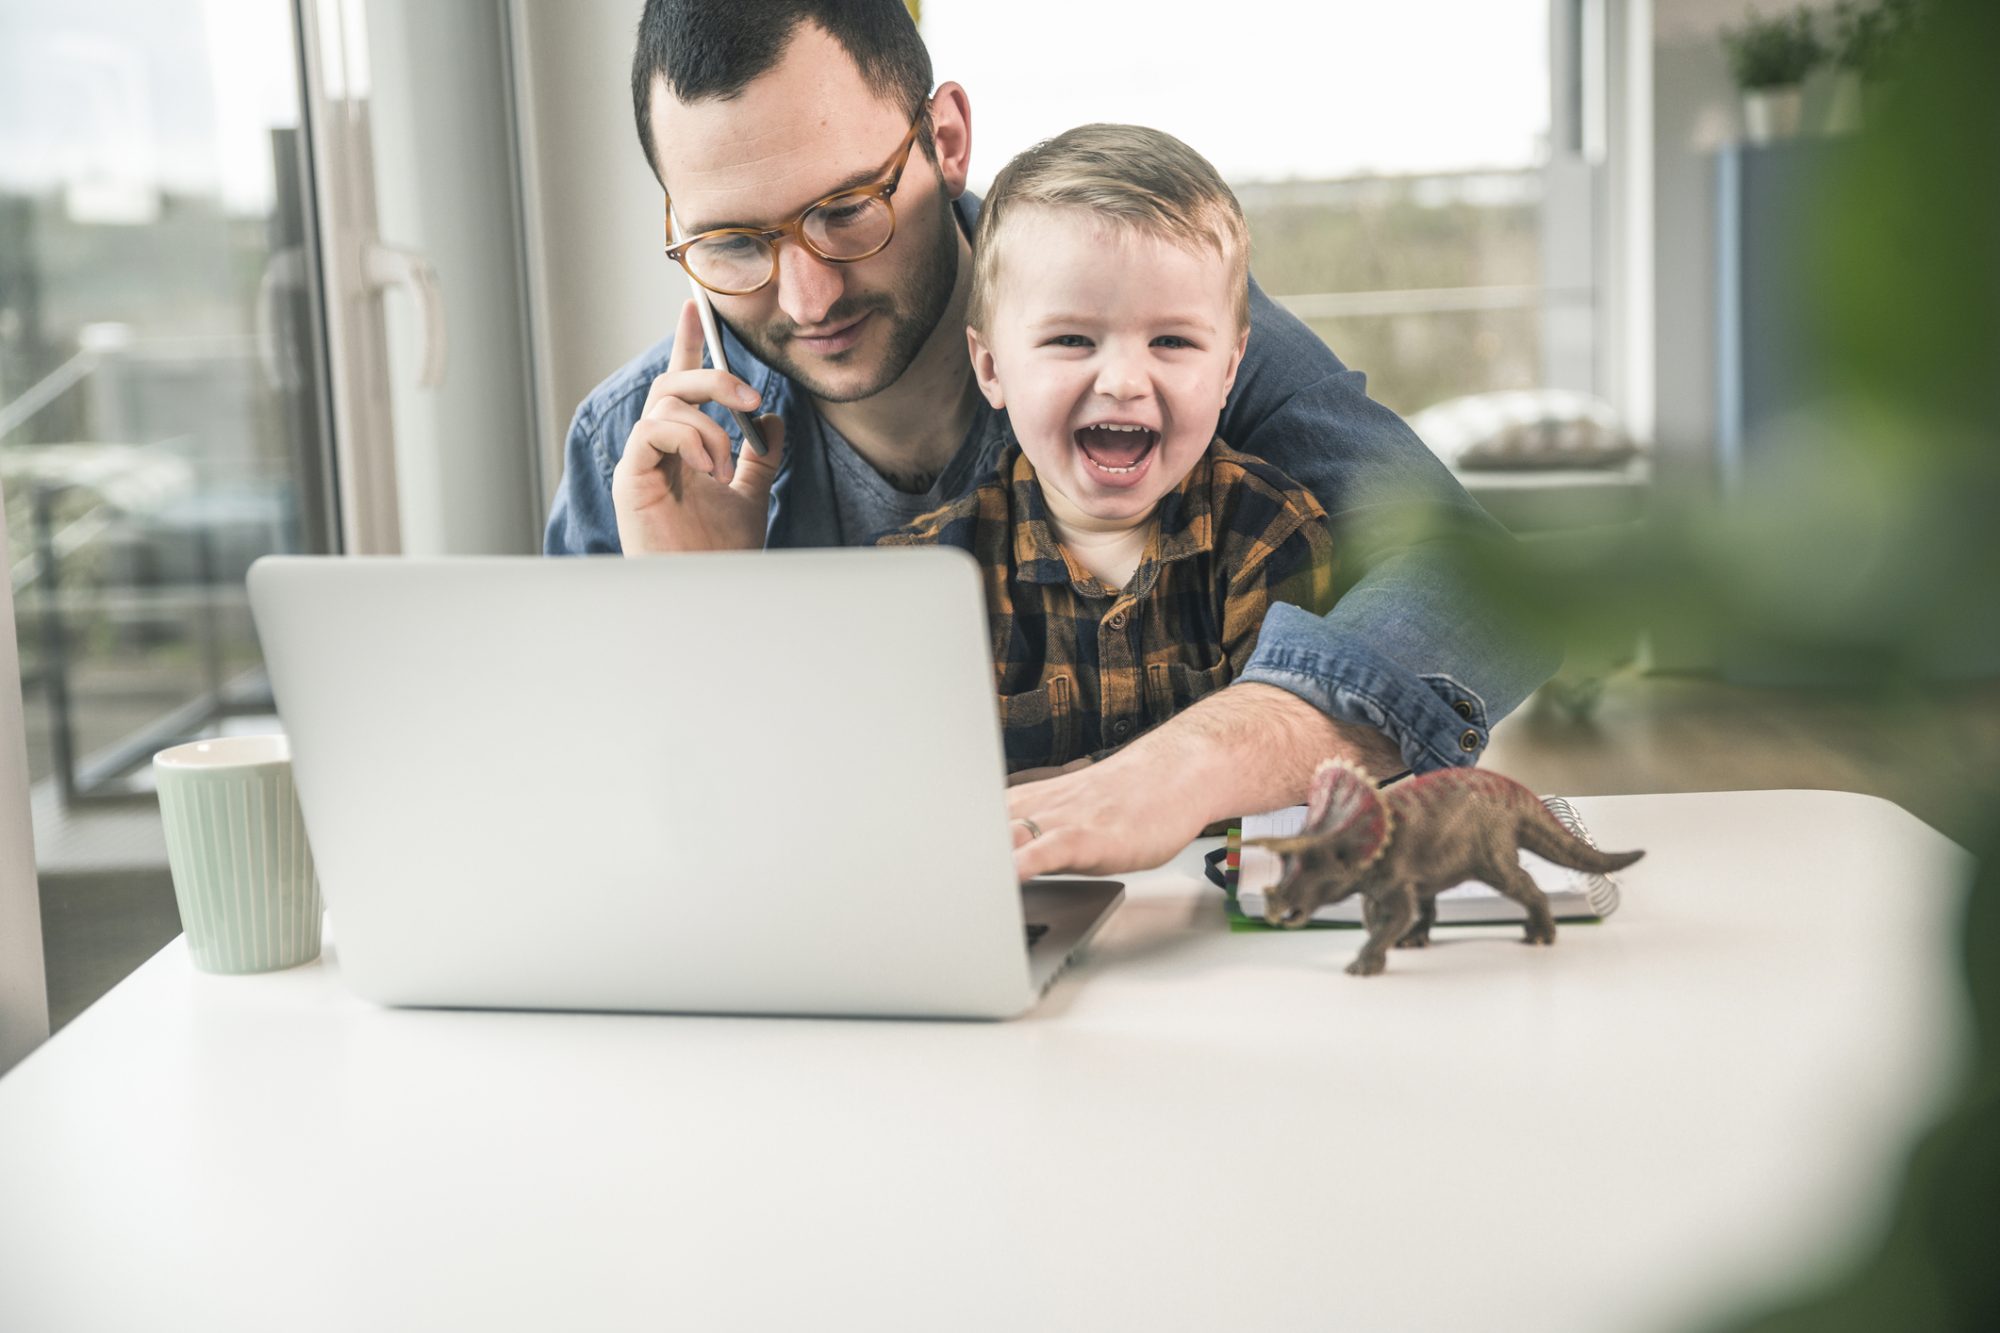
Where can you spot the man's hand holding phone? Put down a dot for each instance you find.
(676, 488)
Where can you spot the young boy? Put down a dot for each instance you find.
(1129, 555)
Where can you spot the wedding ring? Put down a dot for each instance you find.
(1034, 829)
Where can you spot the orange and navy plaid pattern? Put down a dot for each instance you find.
(1082, 667)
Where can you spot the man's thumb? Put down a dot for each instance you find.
(755, 472)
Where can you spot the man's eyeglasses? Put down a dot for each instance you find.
(841, 228)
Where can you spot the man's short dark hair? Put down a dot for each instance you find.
(715, 48)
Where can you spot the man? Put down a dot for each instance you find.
(781, 131)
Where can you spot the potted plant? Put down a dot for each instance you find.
(1770, 57)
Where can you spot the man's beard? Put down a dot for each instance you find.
(912, 310)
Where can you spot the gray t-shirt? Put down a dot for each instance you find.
(868, 506)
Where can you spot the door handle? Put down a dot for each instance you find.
(386, 266)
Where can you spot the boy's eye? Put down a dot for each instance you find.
(1171, 340)
(1069, 340)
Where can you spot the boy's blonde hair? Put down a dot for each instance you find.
(1122, 176)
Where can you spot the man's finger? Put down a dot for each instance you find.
(696, 387)
(714, 439)
(665, 447)
(687, 340)
(755, 473)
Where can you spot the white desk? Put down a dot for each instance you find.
(1197, 1130)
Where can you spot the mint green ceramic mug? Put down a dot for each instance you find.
(236, 843)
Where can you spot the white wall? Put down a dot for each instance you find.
(599, 290)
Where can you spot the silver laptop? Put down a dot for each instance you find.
(750, 783)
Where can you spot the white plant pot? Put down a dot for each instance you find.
(1770, 114)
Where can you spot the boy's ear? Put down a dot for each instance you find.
(1235, 360)
(984, 370)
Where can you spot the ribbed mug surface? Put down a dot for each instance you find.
(236, 843)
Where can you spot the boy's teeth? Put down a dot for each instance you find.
(1116, 449)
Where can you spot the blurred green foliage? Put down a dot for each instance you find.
(1773, 51)
(1867, 538)
(1868, 38)
(1910, 246)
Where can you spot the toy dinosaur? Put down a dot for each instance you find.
(1401, 847)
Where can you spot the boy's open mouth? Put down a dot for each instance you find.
(1116, 449)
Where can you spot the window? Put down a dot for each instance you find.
(160, 419)
(1416, 180)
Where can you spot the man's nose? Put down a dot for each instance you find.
(807, 285)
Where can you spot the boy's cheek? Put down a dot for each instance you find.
(1041, 452)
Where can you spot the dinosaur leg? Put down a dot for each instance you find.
(1419, 935)
(1516, 883)
(1392, 917)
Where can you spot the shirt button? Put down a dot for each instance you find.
(1121, 727)
(1468, 740)
(1117, 620)
(1463, 709)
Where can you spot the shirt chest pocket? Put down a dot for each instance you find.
(1039, 726)
(1172, 686)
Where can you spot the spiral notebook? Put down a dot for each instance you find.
(1574, 895)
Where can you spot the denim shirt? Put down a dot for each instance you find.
(1408, 649)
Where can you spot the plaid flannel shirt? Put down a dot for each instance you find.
(1082, 667)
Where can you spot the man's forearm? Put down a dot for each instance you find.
(1248, 748)
(1254, 747)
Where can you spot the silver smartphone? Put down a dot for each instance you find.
(712, 335)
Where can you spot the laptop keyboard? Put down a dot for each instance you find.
(1036, 929)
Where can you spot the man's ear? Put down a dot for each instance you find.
(983, 367)
(1235, 360)
(951, 131)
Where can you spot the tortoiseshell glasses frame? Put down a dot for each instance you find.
(851, 225)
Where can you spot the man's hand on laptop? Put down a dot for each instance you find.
(1242, 750)
(676, 488)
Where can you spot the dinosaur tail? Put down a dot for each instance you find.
(1542, 835)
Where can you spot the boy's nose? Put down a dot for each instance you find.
(807, 285)
(1122, 376)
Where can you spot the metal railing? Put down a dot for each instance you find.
(37, 581)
